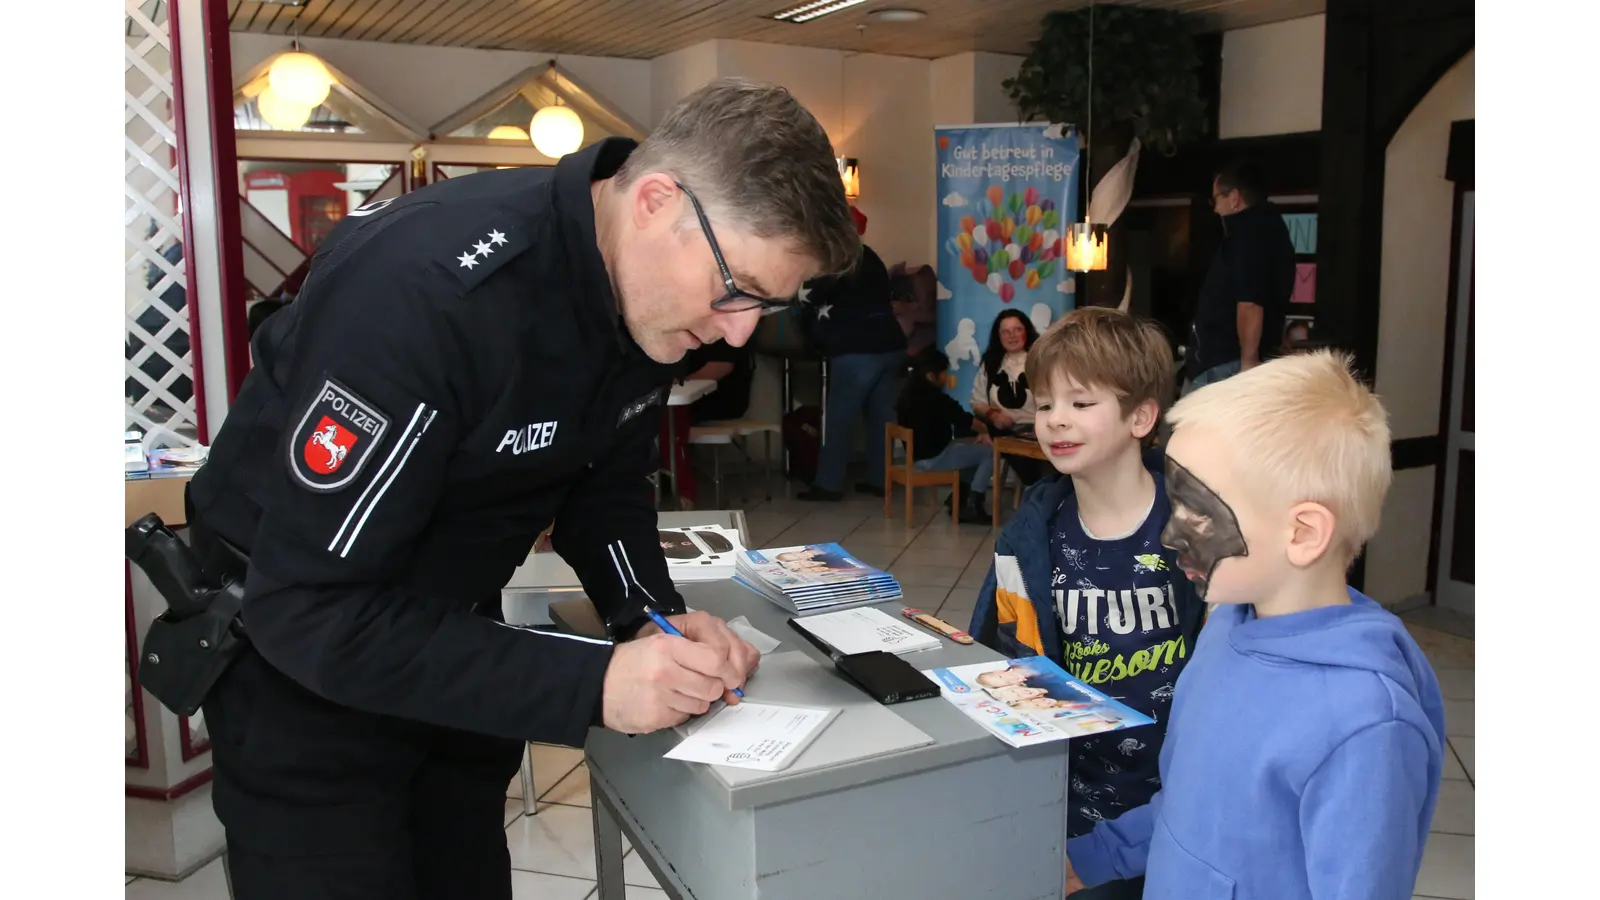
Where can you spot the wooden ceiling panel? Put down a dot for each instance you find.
(382, 17)
(487, 31)
(643, 29)
(356, 14)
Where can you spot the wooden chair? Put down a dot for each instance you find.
(910, 477)
(1010, 446)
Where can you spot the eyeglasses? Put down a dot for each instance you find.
(735, 300)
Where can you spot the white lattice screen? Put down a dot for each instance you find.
(159, 385)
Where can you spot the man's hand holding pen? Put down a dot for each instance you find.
(658, 680)
(740, 658)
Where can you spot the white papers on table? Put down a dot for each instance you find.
(762, 736)
(854, 631)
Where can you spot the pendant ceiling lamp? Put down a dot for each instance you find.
(1086, 242)
(279, 114)
(300, 79)
(556, 130)
(850, 175)
(507, 133)
(297, 83)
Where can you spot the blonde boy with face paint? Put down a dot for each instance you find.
(1303, 751)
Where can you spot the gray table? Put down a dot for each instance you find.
(965, 817)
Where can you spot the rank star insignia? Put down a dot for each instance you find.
(823, 310)
(804, 296)
(485, 254)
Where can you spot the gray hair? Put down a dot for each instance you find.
(751, 152)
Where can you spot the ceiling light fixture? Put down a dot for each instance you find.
(816, 9)
(1085, 242)
(300, 78)
(897, 15)
(850, 175)
(556, 130)
(280, 113)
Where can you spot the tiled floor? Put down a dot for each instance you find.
(941, 567)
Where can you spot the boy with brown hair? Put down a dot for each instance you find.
(1306, 738)
(1116, 613)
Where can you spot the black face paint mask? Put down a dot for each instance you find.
(1203, 529)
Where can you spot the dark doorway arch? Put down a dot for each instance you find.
(1381, 58)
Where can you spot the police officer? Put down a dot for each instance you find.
(466, 364)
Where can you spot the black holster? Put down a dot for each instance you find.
(188, 647)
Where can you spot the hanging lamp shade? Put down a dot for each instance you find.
(556, 131)
(279, 113)
(1085, 242)
(507, 133)
(1086, 247)
(850, 175)
(300, 79)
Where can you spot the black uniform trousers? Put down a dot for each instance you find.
(320, 801)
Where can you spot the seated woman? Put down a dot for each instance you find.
(733, 369)
(1000, 395)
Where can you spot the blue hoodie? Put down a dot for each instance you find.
(1302, 759)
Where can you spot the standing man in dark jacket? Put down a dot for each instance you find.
(1239, 321)
(466, 364)
(853, 321)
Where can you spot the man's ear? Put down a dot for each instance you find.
(652, 199)
(1145, 416)
(1311, 533)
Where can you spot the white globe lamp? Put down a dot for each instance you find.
(300, 79)
(279, 113)
(556, 131)
(507, 133)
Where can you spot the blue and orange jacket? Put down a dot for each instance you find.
(1015, 614)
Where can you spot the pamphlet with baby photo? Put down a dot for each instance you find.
(810, 565)
(1032, 701)
(814, 577)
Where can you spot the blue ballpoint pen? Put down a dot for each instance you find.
(660, 620)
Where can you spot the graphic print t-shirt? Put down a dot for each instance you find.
(1009, 390)
(1118, 617)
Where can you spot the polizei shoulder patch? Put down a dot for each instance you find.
(335, 437)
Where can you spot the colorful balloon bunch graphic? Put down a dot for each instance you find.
(1012, 240)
